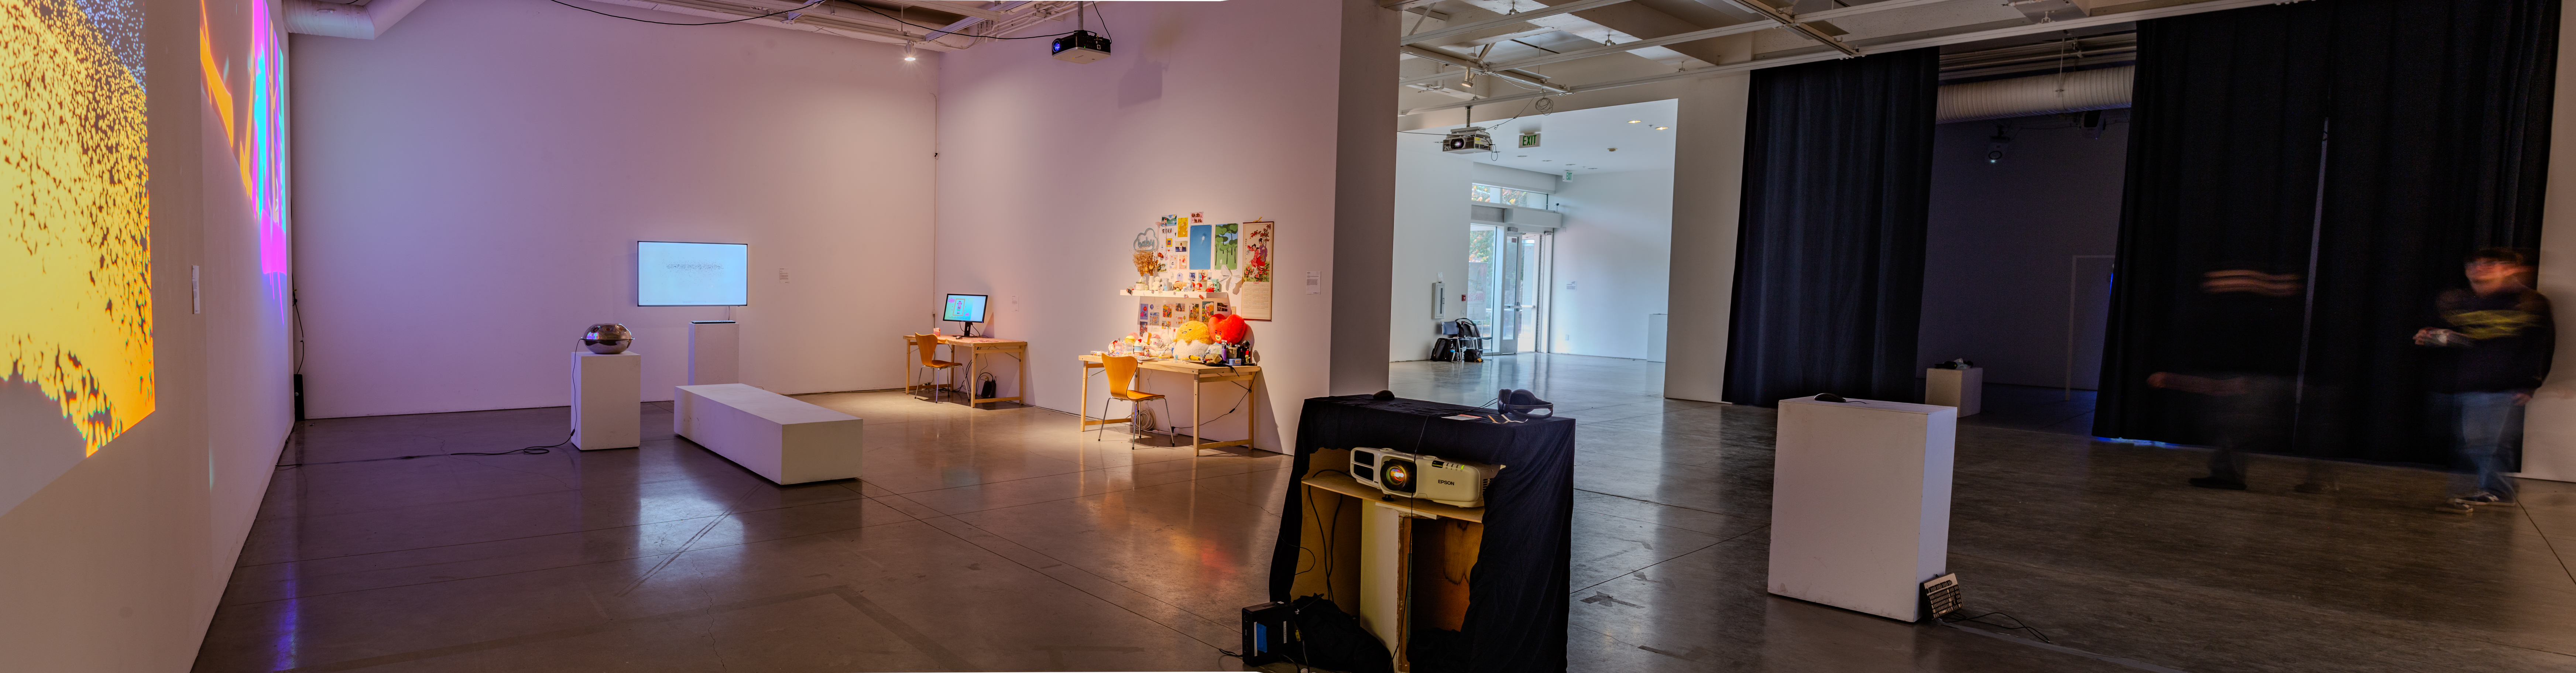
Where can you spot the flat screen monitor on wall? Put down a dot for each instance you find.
(692, 274)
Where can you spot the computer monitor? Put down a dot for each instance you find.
(965, 308)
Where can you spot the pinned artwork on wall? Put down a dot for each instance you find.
(1189, 256)
(1253, 250)
(1224, 244)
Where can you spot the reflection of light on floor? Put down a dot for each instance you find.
(283, 645)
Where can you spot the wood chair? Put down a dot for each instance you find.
(927, 344)
(1121, 370)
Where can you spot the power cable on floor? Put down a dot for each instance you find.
(2016, 625)
(529, 450)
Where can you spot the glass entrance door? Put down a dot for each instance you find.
(1522, 277)
(1508, 272)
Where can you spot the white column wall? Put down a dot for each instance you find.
(2549, 425)
(1708, 197)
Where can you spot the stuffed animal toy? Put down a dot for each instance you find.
(1232, 329)
(1193, 332)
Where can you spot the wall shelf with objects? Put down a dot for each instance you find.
(1133, 292)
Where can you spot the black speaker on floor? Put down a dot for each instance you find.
(1267, 629)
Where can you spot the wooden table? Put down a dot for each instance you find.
(1199, 375)
(975, 347)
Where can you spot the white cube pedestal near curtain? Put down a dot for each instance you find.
(713, 352)
(1860, 503)
(1962, 388)
(607, 400)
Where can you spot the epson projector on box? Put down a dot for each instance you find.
(1081, 46)
(1432, 478)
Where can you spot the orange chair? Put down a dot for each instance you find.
(927, 343)
(1122, 370)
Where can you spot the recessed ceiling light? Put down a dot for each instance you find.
(1636, 121)
(1663, 128)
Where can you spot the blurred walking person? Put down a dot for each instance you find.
(2495, 340)
(2246, 344)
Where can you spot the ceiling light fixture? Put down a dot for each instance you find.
(1663, 128)
(1636, 121)
(907, 50)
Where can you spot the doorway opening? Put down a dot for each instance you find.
(1508, 270)
(1559, 253)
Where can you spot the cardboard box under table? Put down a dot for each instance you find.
(1408, 568)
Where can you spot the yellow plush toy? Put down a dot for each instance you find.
(1195, 332)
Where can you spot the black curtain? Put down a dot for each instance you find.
(1829, 260)
(2363, 146)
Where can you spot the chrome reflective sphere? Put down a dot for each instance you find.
(607, 338)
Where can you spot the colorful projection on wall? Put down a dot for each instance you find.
(75, 232)
(258, 142)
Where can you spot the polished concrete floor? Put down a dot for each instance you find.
(1001, 539)
(2099, 545)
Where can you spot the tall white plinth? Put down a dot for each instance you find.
(607, 400)
(1860, 503)
(775, 436)
(713, 348)
(1962, 388)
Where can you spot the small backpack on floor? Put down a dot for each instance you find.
(1332, 639)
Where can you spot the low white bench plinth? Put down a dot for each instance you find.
(776, 436)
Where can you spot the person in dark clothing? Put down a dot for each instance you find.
(2245, 360)
(2496, 338)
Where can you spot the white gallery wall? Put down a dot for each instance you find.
(471, 185)
(117, 561)
(1048, 169)
(2003, 241)
(1613, 265)
(1431, 211)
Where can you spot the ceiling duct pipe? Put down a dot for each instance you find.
(363, 22)
(2100, 89)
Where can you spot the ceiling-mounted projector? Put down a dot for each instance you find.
(1467, 140)
(1081, 46)
(1432, 478)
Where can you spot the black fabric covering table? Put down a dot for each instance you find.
(1517, 607)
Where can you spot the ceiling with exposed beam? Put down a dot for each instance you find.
(1459, 53)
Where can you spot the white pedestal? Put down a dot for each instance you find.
(607, 400)
(1860, 503)
(775, 436)
(1962, 388)
(713, 352)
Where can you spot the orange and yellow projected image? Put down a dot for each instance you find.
(75, 228)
